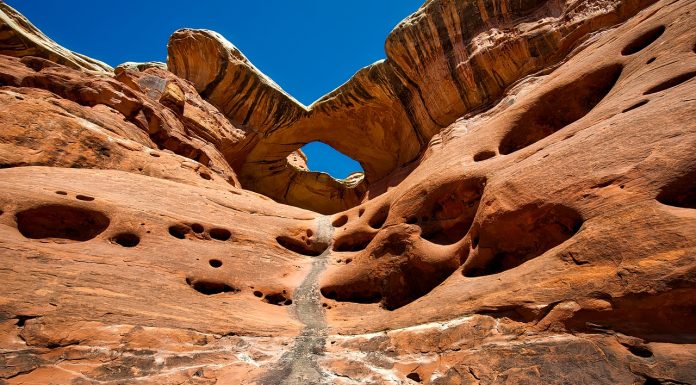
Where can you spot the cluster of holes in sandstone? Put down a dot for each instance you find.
(55, 221)
(680, 192)
(278, 299)
(196, 230)
(511, 239)
(79, 197)
(560, 107)
(643, 41)
(210, 287)
(671, 82)
(445, 218)
(359, 240)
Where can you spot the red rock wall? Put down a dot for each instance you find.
(541, 231)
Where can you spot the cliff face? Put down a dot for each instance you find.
(446, 60)
(526, 213)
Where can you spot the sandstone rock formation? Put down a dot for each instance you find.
(19, 38)
(526, 214)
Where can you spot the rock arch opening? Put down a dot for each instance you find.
(320, 157)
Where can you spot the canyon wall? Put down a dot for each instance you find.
(526, 215)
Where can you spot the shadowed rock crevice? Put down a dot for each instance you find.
(355, 241)
(377, 219)
(210, 286)
(681, 192)
(559, 107)
(508, 240)
(637, 105)
(643, 41)
(450, 210)
(61, 222)
(672, 82)
(484, 155)
(635, 315)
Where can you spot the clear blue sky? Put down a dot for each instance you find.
(308, 47)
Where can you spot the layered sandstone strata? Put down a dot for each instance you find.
(539, 229)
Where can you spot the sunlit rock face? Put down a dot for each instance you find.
(526, 215)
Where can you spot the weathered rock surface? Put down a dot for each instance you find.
(539, 230)
(146, 122)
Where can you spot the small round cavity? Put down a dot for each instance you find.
(215, 263)
(178, 231)
(126, 239)
(340, 221)
(220, 234)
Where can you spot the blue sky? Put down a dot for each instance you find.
(308, 47)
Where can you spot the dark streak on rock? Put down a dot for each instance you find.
(224, 63)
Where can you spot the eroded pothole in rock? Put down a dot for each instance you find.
(54, 221)
(508, 240)
(560, 107)
(211, 286)
(198, 231)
